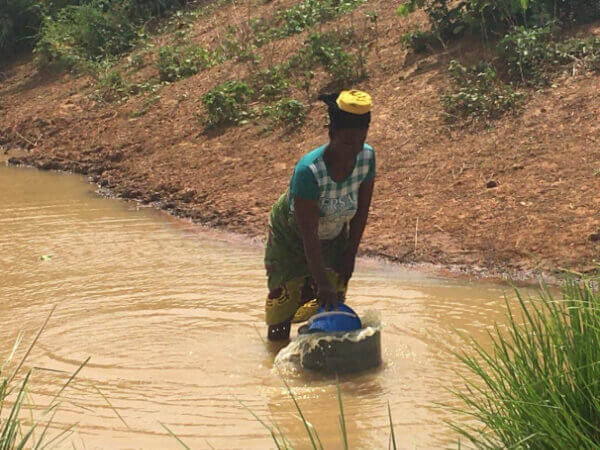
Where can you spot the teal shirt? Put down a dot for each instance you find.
(337, 201)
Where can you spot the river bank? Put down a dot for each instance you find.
(179, 208)
(517, 198)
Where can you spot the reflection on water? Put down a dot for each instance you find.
(171, 317)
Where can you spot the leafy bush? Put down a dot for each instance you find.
(419, 41)
(287, 111)
(584, 53)
(144, 9)
(264, 31)
(232, 47)
(111, 87)
(306, 14)
(298, 18)
(449, 18)
(175, 63)
(327, 50)
(19, 22)
(84, 33)
(537, 386)
(531, 56)
(526, 52)
(226, 103)
(479, 93)
(66, 25)
(272, 82)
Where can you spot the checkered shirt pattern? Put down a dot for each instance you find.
(328, 188)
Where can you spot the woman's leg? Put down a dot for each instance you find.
(281, 306)
(280, 332)
(278, 298)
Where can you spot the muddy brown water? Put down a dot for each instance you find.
(171, 314)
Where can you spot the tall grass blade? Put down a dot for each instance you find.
(81, 366)
(37, 336)
(287, 386)
(263, 423)
(61, 436)
(13, 351)
(44, 431)
(304, 421)
(392, 434)
(174, 435)
(111, 406)
(342, 418)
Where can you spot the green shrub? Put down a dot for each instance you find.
(287, 111)
(84, 33)
(449, 18)
(226, 103)
(311, 12)
(478, 93)
(231, 47)
(526, 52)
(272, 82)
(537, 386)
(531, 56)
(174, 63)
(263, 31)
(326, 49)
(19, 23)
(111, 87)
(419, 41)
(584, 53)
(144, 9)
(306, 14)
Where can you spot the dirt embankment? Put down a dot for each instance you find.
(522, 195)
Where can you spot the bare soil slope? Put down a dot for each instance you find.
(432, 201)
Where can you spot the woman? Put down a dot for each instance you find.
(315, 228)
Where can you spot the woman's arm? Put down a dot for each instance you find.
(307, 217)
(357, 227)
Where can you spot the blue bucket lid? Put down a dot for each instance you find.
(341, 319)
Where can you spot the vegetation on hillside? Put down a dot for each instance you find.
(527, 43)
(526, 37)
(73, 22)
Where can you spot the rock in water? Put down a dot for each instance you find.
(339, 352)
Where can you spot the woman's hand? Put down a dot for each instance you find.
(327, 297)
(345, 267)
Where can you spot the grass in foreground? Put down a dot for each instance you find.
(14, 433)
(18, 426)
(539, 384)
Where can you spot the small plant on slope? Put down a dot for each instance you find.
(287, 111)
(478, 93)
(326, 49)
(226, 103)
(175, 63)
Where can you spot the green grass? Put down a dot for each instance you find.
(19, 426)
(538, 385)
(16, 432)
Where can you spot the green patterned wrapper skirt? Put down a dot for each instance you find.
(289, 279)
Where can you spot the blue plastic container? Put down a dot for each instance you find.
(341, 319)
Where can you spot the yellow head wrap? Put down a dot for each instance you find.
(354, 102)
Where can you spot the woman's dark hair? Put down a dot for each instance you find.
(339, 119)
